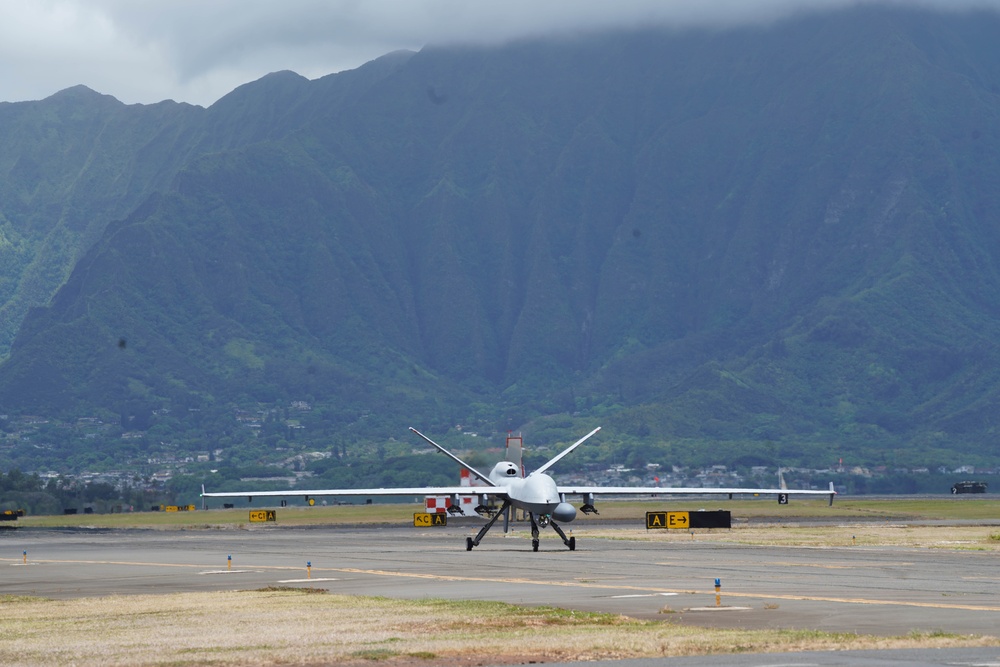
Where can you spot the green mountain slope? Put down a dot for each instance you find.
(78, 160)
(782, 238)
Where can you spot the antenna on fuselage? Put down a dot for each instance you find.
(566, 451)
(456, 459)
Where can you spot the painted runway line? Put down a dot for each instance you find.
(650, 590)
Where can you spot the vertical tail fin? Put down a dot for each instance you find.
(515, 449)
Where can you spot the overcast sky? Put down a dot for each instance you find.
(198, 50)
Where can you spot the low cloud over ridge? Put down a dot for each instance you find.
(195, 51)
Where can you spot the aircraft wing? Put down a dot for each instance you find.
(686, 491)
(500, 492)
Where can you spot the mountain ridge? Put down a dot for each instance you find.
(688, 234)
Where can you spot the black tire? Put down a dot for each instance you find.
(469, 544)
(572, 543)
(534, 545)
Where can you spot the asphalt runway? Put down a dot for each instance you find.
(879, 590)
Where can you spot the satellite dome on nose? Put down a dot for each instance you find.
(564, 512)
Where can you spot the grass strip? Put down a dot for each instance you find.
(291, 626)
(952, 538)
(843, 509)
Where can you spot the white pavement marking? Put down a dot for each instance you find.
(229, 571)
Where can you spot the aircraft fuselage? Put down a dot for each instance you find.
(537, 493)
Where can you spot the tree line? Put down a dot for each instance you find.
(19, 490)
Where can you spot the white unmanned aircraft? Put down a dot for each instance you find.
(537, 494)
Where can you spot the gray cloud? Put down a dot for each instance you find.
(197, 50)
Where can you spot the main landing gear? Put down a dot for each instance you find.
(474, 542)
(542, 520)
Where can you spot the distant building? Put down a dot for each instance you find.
(969, 487)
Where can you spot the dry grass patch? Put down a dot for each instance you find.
(290, 627)
(967, 538)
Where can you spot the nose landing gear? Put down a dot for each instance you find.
(543, 521)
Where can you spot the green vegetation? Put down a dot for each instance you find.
(30, 493)
(750, 247)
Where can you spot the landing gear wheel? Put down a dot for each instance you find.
(534, 545)
(469, 544)
(572, 543)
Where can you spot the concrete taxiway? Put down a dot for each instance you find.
(879, 590)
